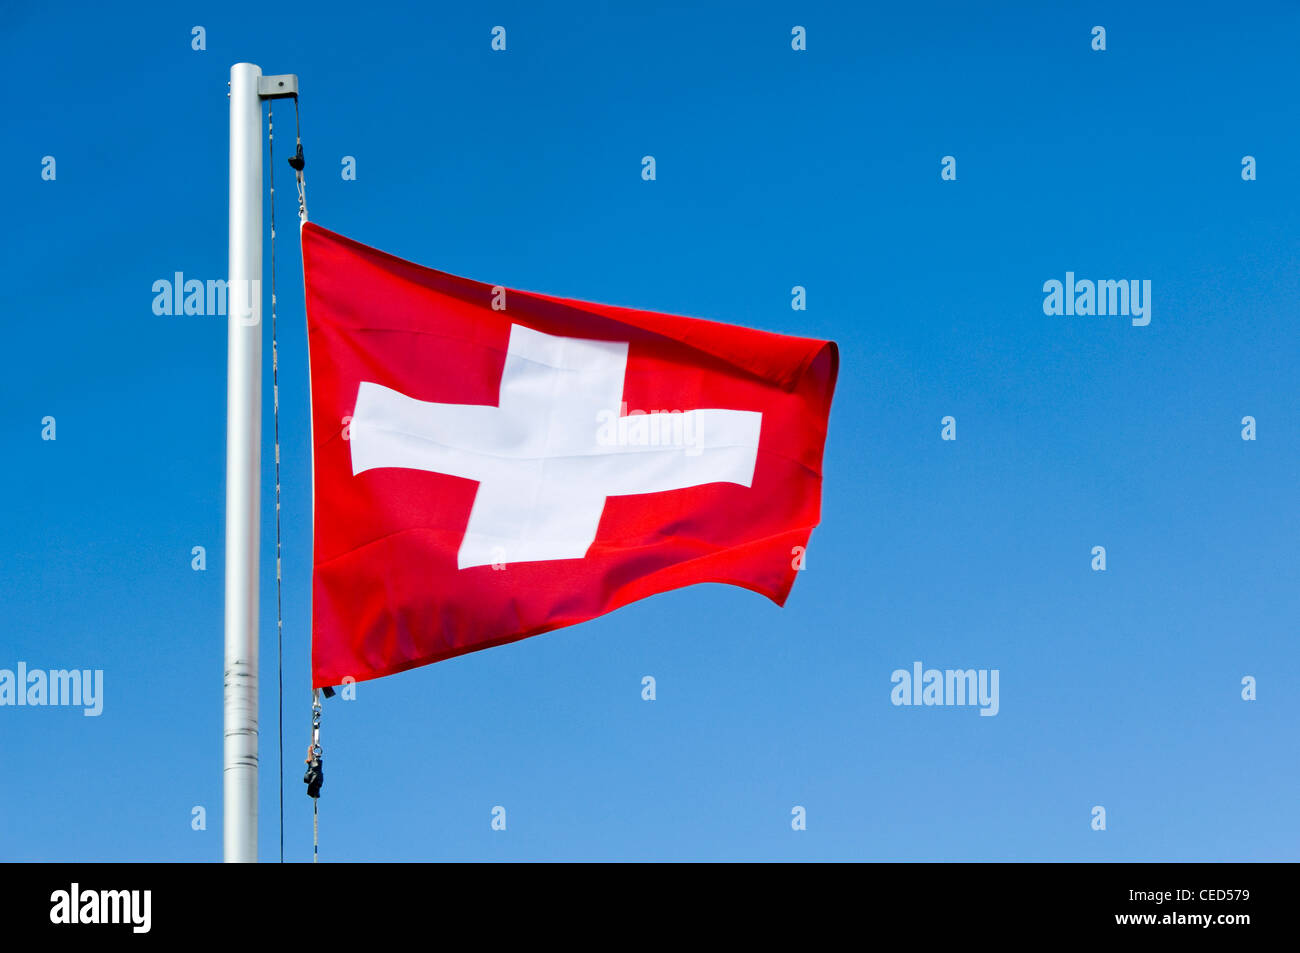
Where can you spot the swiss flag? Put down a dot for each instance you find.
(490, 464)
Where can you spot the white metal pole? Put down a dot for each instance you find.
(243, 461)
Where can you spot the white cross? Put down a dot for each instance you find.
(543, 469)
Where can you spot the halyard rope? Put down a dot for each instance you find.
(297, 163)
(275, 397)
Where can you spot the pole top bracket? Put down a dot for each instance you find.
(283, 86)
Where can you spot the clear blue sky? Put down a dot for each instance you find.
(775, 168)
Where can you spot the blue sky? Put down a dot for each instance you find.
(775, 168)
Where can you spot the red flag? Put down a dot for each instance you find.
(491, 464)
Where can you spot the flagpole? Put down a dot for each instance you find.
(243, 462)
(248, 87)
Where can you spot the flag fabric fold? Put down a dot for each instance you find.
(491, 464)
